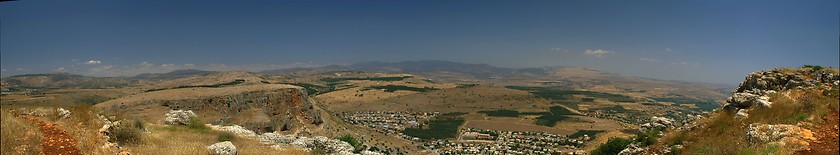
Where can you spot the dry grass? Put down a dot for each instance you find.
(83, 125)
(723, 134)
(18, 135)
(794, 106)
(186, 141)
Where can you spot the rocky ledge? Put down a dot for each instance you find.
(260, 108)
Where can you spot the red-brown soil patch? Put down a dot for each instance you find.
(55, 141)
(827, 136)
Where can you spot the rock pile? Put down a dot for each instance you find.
(632, 149)
(277, 140)
(329, 146)
(63, 113)
(689, 123)
(754, 90)
(235, 129)
(658, 123)
(366, 152)
(178, 117)
(222, 148)
(789, 136)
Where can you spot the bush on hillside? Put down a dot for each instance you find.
(125, 134)
(225, 136)
(647, 138)
(196, 123)
(352, 141)
(612, 147)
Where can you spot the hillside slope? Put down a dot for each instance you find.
(779, 111)
(259, 107)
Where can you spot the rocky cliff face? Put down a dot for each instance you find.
(753, 91)
(803, 119)
(261, 108)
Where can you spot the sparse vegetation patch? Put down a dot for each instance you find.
(393, 88)
(440, 128)
(234, 82)
(333, 80)
(705, 105)
(560, 94)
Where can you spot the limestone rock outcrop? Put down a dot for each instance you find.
(63, 113)
(789, 136)
(178, 117)
(260, 107)
(658, 123)
(329, 146)
(235, 129)
(222, 148)
(754, 90)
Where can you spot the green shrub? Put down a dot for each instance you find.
(352, 141)
(196, 123)
(771, 149)
(612, 147)
(137, 123)
(125, 134)
(647, 138)
(813, 67)
(225, 136)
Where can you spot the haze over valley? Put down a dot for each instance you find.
(419, 77)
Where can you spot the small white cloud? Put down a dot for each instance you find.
(598, 52)
(59, 69)
(649, 60)
(189, 65)
(93, 62)
(694, 64)
(146, 64)
(3, 70)
(560, 50)
(669, 49)
(19, 69)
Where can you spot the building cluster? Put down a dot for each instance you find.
(388, 122)
(479, 141)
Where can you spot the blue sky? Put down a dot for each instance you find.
(706, 41)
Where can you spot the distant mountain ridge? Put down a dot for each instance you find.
(172, 75)
(479, 71)
(63, 80)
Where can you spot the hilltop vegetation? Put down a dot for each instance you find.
(779, 111)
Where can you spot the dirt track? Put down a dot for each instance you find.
(827, 136)
(55, 140)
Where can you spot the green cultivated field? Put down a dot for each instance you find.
(562, 95)
(234, 82)
(333, 80)
(549, 118)
(393, 88)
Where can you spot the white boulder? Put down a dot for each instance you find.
(63, 113)
(222, 148)
(178, 117)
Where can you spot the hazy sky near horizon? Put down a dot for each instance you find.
(706, 41)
